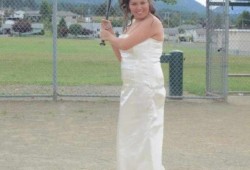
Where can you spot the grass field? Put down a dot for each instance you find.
(28, 61)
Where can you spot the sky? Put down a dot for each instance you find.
(203, 2)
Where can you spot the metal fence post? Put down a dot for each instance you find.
(176, 73)
(54, 22)
(175, 60)
(225, 57)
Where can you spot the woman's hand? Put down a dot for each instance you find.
(106, 25)
(106, 30)
(105, 35)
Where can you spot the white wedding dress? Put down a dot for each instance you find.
(141, 116)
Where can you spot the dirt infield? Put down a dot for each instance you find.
(80, 135)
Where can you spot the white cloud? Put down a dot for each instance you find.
(203, 2)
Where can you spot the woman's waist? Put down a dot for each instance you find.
(141, 68)
(152, 75)
(143, 82)
(141, 58)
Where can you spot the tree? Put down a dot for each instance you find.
(101, 10)
(243, 21)
(45, 10)
(218, 21)
(22, 26)
(168, 1)
(46, 14)
(1, 21)
(194, 18)
(75, 29)
(83, 9)
(202, 22)
(175, 19)
(12, 3)
(181, 31)
(62, 29)
(117, 22)
(30, 4)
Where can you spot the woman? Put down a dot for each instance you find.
(140, 122)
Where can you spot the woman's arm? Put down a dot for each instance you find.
(106, 25)
(117, 53)
(150, 27)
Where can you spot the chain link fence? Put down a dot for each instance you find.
(51, 49)
(239, 51)
(227, 51)
(217, 48)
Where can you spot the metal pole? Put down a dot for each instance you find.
(106, 17)
(2, 16)
(225, 57)
(168, 21)
(180, 19)
(54, 22)
(208, 57)
(165, 17)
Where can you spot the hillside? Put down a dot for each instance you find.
(182, 5)
(234, 10)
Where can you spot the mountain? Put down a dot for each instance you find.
(88, 1)
(182, 5)
(232, 10)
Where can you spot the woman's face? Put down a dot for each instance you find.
(139, 8)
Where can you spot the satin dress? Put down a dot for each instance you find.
(141, 114)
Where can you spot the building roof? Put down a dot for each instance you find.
(32, 13)
(189, 27)
(6, 26)
(171, 31)
(1, 12)
(37, 25)
(201, 31)
(65, 14)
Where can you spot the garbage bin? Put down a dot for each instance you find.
(175, 60)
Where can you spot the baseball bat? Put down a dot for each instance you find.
(106, 17)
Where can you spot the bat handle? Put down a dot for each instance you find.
(102, 43)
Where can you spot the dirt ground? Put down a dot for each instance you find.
(80, 135)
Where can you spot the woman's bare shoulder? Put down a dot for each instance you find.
(156, 21)
(157, 29)
(153, 22)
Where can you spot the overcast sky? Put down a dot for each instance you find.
(203, 2)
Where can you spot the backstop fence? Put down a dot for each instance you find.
(51, 49)
(227, 47)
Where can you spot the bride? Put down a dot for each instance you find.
(141, 114)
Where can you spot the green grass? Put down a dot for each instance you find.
(239, 65)
(86, 62)
(28, 61)
(195, 69)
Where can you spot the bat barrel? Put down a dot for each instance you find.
(106, 17)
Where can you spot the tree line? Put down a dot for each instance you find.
(19, 4)
(168, 17)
